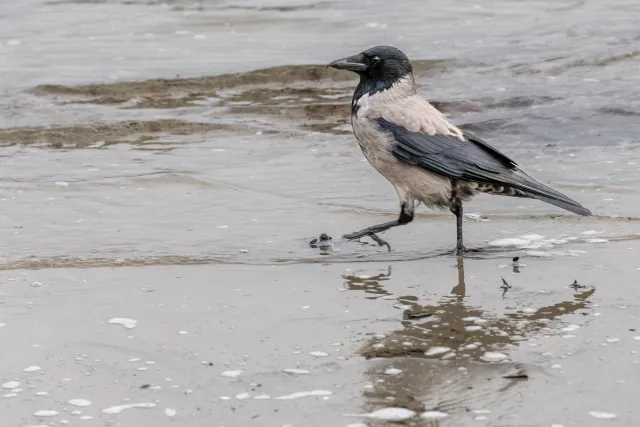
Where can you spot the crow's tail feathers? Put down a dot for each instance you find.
(537, 190)
(564, 202)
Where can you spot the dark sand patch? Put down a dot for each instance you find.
(101, 135)
(153, 92)
(193, 88)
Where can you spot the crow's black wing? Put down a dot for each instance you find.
(470, 160)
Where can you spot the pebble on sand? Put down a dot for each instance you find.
(295, 371)
(603, 415)
(390, 414)
(11, 384)
(433, 351)
(45, 413)
(31, 369)
(433, 415)
(298, 395)
(170, 412)
(492, 356)
(124, 321)
(231, 374)
(119, 408)
(79, 402)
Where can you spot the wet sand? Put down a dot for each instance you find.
(368, 326)
(159, 190)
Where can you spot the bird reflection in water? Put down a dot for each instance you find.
(369, 284)
(468, 331)
(441, 349)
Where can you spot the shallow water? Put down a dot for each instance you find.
(169, 163)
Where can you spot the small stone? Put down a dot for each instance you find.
(231, 374)
(433, 351)
(492, 356)
(45, 413)
(11, 384)
(295, 371)
(603, 415)
(124, 321)
(392, 414)
(81, 403)
(433, 415)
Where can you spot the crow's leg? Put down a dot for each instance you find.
(406, 216)
(456, 208)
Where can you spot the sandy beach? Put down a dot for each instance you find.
(165, 164)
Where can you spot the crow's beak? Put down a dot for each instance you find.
(351, 63)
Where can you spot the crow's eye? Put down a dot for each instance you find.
(375, 61)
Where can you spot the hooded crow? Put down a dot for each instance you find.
(425, 157)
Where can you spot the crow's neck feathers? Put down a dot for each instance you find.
(381, 91)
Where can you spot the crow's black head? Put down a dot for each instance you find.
(379, 67)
